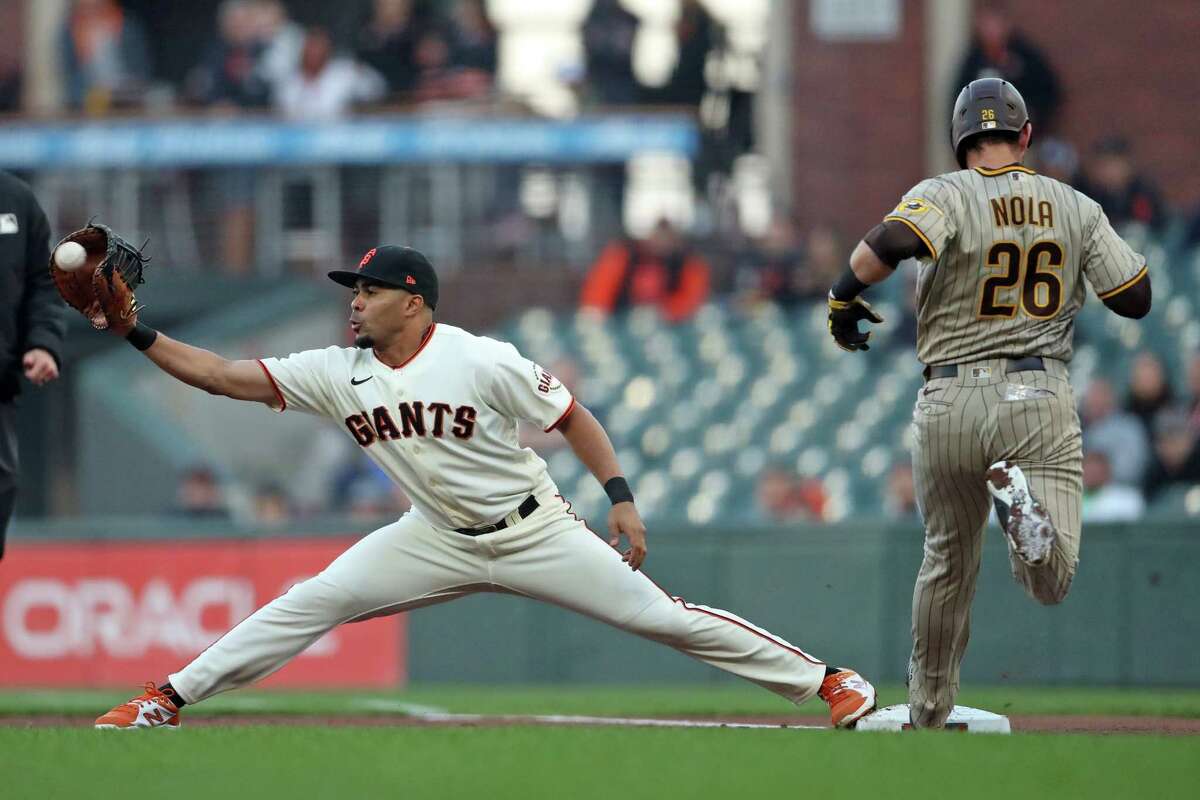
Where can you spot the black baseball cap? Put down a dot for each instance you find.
(396, 266)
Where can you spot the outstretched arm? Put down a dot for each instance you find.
(591, 444)
(204, 369)
(873, 260)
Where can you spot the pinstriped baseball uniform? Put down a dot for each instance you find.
(1011, 252)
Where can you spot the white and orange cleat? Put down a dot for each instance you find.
(849, 695)
(152, 709)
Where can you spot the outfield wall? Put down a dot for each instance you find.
(840, 592)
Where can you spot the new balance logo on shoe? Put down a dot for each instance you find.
(152, 709)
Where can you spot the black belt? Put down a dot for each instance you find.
(1014, 365)
(525, 509)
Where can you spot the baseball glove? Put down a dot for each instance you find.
(844, 316)
(102, 288)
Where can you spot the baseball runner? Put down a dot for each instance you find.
(437, 408)
(1004, 255)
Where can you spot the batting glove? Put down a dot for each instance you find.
(843, 322)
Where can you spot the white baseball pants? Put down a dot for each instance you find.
(551, 556)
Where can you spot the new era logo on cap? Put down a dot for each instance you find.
(410, 280)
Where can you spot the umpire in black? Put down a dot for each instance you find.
(32, 321)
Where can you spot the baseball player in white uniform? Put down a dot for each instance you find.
(437, 408)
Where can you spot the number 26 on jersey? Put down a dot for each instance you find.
(1038, 273)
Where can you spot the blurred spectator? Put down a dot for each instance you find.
(1117, 435)
(10, 83)
(1177, 456)
(781, 268)
(695, 32)
(1191, 233)
(998, 50)
(1149, 390)
(1104, 501)
(825, 258)
(900, 502)
(105, 59)
(784, 496)
(772, 266)
(281, 40)
(608, 35)
(229, 76)
(662, 270)
(1058, 159)
(271, 505)
(199, 495)
(324, 87)
(316, 483)
(371, 495)
(438, 77)
(386, 43)
(473, 38)
(1111, 179)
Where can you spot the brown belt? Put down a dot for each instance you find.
(1014, 365)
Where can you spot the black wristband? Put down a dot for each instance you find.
(618, 490)
(848, 286)
(142, 336)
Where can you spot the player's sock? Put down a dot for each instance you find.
(172, 695)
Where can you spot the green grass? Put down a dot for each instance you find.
(300, 761)
(585, 763)
(640, 700)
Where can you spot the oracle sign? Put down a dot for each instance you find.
(94, 614)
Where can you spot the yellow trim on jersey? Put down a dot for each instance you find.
(991, 173)
(932, 250)
(1126, 284)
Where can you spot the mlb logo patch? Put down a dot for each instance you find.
(987, 126)
(9, 224)
(981, 372)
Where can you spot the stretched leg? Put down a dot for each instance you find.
(948, 472)
(401, 566)
(573, 568)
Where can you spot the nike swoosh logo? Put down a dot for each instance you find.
(356, 382)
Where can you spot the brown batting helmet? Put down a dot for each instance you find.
(985, 105)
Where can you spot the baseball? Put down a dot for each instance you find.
(70, 256)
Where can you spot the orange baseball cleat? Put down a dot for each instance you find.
(849, 695)
(152, 709)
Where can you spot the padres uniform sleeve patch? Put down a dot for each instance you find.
(301, 380)
(522, 389)
(924, 210)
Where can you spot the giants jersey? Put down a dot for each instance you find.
(442, 425)
(1010, 252)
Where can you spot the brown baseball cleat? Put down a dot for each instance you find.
(849, 695)
(152, 709)
(1026, 523)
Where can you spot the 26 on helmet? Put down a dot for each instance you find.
(985, 105)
